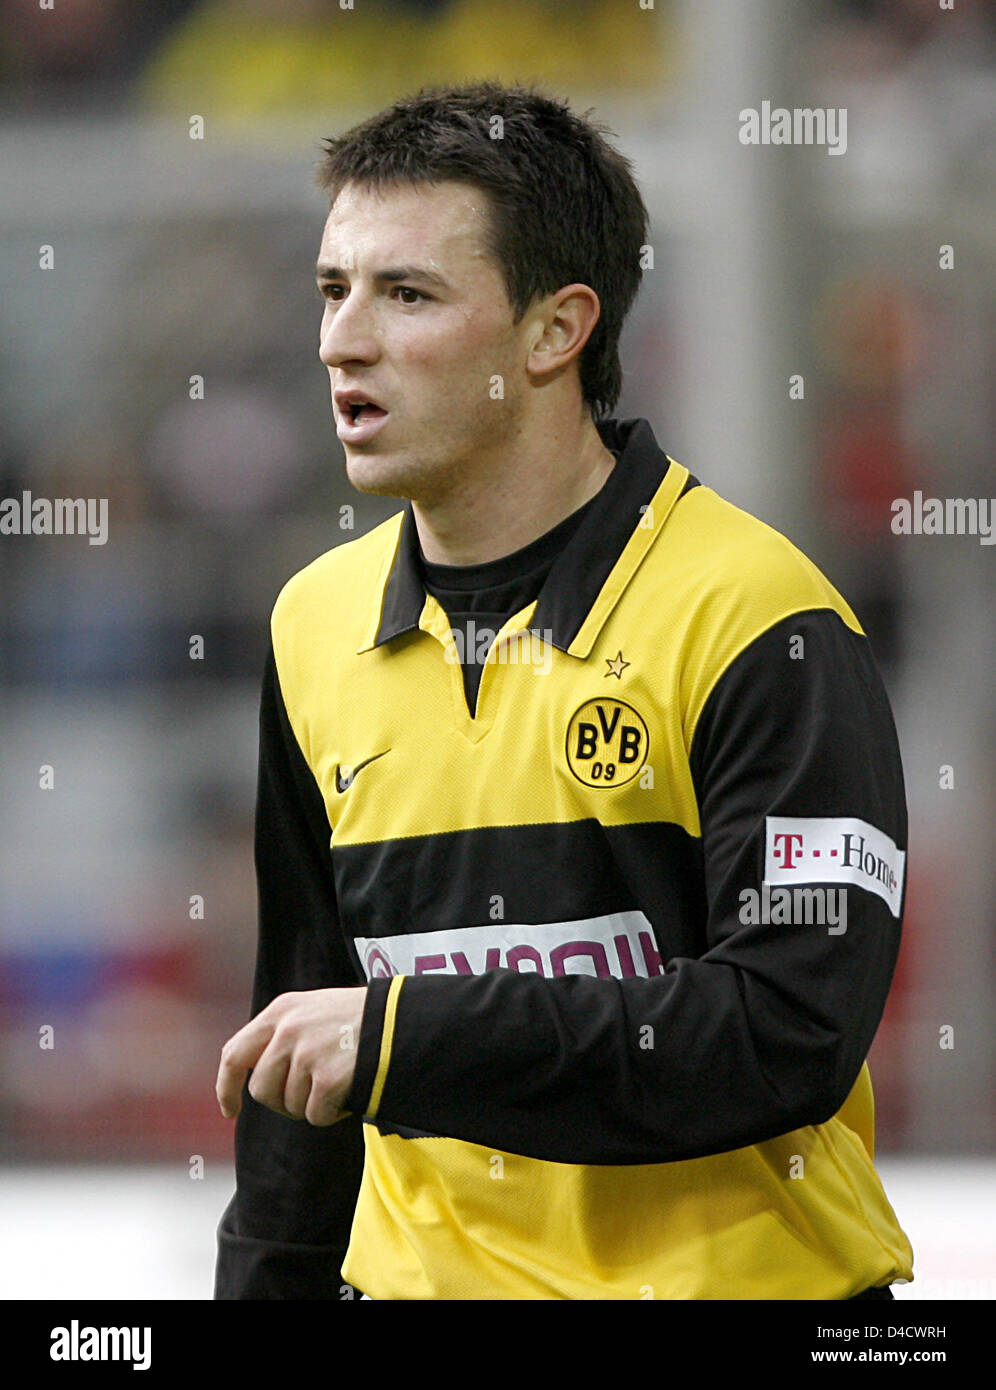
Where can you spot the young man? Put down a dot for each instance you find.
(581, 826)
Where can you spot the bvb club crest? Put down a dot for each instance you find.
(607, 743)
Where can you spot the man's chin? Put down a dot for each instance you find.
(377, 475)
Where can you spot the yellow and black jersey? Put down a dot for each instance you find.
(627, 928)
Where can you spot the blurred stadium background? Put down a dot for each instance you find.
(176, 257)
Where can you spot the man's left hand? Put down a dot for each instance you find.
(301, 1050)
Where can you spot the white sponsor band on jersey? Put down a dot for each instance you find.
(619, 945)
(834, 849)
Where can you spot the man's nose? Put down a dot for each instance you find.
(348, 333)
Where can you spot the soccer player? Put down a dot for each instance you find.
(581, 826)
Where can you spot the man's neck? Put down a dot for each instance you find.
(515, 506)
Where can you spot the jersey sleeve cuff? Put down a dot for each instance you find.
(373, 1055)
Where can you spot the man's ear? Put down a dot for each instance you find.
(563, 324)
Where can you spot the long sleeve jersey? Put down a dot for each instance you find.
(627, 930)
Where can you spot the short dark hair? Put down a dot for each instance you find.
(565, 207)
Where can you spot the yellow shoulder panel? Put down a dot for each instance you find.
(323, 615)
(731, 577)
(343, 585)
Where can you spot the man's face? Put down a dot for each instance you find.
(418, 322)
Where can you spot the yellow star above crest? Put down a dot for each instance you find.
(616, 666)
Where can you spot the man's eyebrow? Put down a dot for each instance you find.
(390, 276)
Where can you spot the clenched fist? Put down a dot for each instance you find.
(301, 1050)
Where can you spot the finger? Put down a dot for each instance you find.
(323, 1102)
(297, 1090)
(228, 1085)
(269, 1078)
(238, 1056)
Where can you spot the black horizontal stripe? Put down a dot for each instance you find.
(544, 873)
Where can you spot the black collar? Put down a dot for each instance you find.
(578, 581)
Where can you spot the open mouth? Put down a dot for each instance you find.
(364, 410)
(359, 419)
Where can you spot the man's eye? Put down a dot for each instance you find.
(407, 290)
(333, 292)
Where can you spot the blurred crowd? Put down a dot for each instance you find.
(252, 58)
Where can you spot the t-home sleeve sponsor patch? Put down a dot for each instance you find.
(834, 849)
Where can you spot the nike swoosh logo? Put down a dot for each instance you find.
(344, 783)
